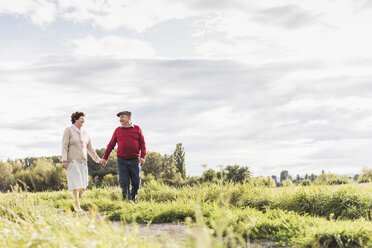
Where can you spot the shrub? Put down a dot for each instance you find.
(110, 180)
(366, 176)
(263, 181)
(286, 183)
(305, 182)
(337, 181)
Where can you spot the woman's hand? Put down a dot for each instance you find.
(103, 162)
(65, 164)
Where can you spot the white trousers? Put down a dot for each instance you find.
(77, 176)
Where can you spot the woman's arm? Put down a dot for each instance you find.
(65, 144)
(92, 152)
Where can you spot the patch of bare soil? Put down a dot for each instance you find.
(176, 232)
(168, 232)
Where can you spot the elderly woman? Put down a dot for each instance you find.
(75, 144)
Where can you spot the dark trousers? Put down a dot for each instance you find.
(129, 172)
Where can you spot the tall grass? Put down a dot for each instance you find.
(218, 215)
(344, 202)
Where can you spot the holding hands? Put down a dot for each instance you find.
(103, 162)
(65, 164)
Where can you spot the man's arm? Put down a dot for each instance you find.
(110, 146)
(142, 146)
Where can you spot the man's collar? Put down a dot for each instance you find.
(131, 126)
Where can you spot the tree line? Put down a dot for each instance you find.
(46, 173)
(324, 178)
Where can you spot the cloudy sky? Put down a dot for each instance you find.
(272, 85)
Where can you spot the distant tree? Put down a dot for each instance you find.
(42, 167)
(161, 167)
(365, 176)
(5, 176)
(263, 181)
(169, 173)
(338, 180)
(298, 178)
(153, 165)
(28, 161)
(330, 179)
(23, 178)
(237, 173)
(42, 175)
(179, 160)
(286, 183)
(355, 178)
(57, 179)
(321, 179)
(284, 175)
(304, 182)
(56, 159)
(16, 165)
(307, 176)
(192, 180)
(313, 177)
(41, 170)
(275, 178)
(209, 175)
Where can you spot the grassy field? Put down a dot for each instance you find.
(217, 215)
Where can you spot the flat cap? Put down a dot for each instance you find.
(124, 113)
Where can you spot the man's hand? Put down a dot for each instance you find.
(103, 162)
(65, 164)
(142, 161)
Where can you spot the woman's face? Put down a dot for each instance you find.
(80, 121)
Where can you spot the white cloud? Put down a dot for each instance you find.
(321, 30)
(222, 111)
(112, 46)
(229, 50)
(40, 12)
(248, 30)
(300, 101)
(112, 14)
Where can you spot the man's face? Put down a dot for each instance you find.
(125, 119)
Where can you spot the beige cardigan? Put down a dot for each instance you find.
(72, 152)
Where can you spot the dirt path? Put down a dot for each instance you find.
(168, 231)
(177, 232)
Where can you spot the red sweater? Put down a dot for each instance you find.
(131, 143)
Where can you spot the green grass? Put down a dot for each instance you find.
(218, 215)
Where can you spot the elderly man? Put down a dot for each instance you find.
(131, 154)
